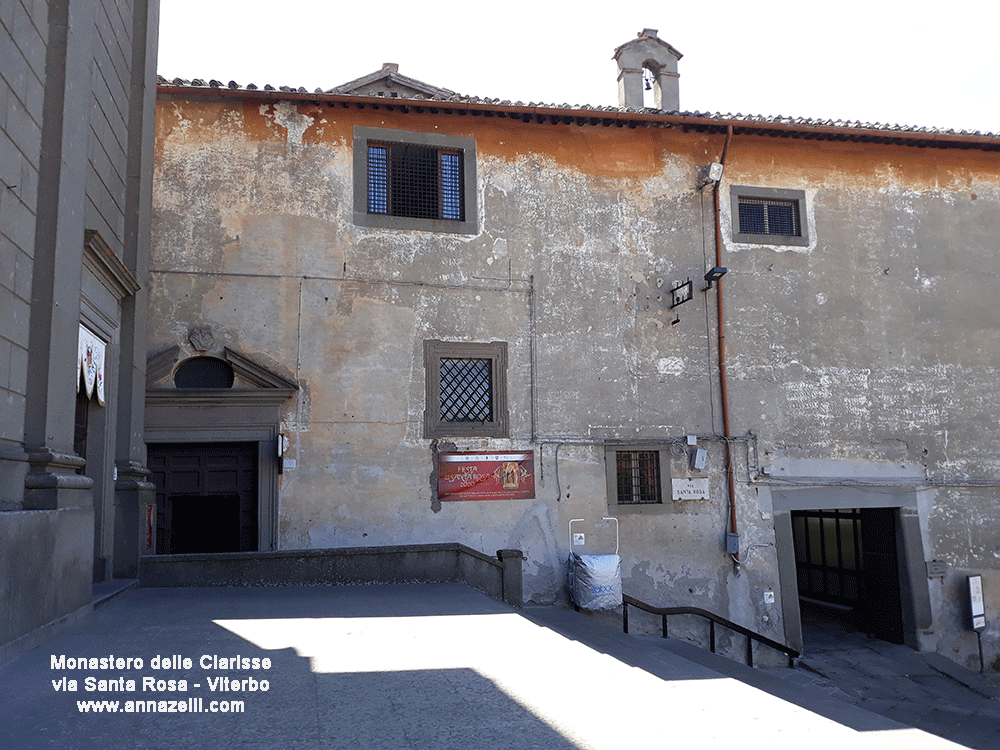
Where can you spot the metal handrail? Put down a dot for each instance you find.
(751, 636)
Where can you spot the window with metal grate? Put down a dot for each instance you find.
(638, 474)
(415, 180)
(466, 389)
(418, 182)
(769, 216)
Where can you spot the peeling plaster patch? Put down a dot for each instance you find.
(190, 171)
(875, 404)
(500, 176)
(925, 282)
(287, 115)
(957, 520)
(499, 251)
(670, 366)
(546, 558)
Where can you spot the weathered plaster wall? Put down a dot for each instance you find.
(583, 230)
(254, 237)
(877, 342)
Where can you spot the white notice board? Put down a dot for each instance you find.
(976, 604)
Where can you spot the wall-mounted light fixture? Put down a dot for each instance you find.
(714, 275)
(710, 173)
(282, 446)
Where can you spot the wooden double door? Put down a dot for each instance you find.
(206, 496)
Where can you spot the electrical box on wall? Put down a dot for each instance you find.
(697, 458)
(732, 543)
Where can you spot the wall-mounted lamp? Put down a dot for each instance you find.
(714, 275)
(710, 173)
(282, 446)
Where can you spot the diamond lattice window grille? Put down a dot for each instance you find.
(466, 390)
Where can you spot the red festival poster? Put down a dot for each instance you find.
(486, 476)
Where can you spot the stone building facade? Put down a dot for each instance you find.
(77, 100)
(354, 291)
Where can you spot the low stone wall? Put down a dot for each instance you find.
(498, 577)
(46, 568)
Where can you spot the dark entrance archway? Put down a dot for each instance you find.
(847, 570)
(206, 496)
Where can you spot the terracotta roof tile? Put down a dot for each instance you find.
(728, 117)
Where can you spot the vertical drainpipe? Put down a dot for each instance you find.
(723, 383)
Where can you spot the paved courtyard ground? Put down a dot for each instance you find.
(410, 666)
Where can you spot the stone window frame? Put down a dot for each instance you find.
(464, 144)
(736, 192)
(615, 508)
(436, 350)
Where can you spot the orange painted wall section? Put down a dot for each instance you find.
(597, 150)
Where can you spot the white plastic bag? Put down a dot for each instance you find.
(596, 581)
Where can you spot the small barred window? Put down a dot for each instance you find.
(466, 389)
(767, 216)
(638, 474)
